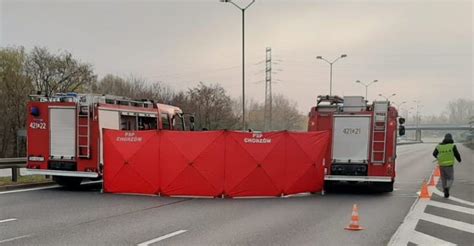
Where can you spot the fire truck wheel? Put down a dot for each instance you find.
(328, 186)
(68, 182)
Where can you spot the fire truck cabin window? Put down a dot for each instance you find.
(147, 123)
(109, 101)
(128, 122)
(178, 122)
(165, 122)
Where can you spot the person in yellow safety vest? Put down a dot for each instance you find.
(446, 153)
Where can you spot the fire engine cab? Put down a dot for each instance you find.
(65, 131)
(363, 143)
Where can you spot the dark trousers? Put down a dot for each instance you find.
(447, 176)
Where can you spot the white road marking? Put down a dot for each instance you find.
(405, 230)
(451, 207)
(424, 239)
(7, 220)
(462, 226)
(30, 189)
(14, 238)
(299, 195)
(161, 238)
(438, 192)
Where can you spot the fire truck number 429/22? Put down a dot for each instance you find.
(65, 131)
(38, 125)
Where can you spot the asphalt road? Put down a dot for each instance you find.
(87, 217)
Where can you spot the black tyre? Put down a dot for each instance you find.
(68, 182)
(328, 186)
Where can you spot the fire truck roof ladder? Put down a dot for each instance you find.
(118, 100)
(83, 128)
(379, 131)
(330, 99)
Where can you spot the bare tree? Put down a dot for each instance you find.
(460, 110)
(113, 85)
(285, 115)
(53, 73)
(134, 87)
(255, 115)
(210, 104)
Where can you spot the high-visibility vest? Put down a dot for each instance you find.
(445, 154)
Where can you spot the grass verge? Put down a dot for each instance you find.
(30, 179)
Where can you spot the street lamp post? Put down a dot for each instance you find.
(243, 54)
(330, 69)
(410, 110)
(366, 86)
(388, 98)
(417, 113)
(399, 105)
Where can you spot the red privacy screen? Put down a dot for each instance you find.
(214, 163)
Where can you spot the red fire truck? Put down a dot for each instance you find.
(65, 131)
(363, 143)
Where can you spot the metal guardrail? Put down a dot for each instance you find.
(439, 127)
(15, 164)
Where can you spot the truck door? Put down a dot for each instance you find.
(351, 138)
(62, 132)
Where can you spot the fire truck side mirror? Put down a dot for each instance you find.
(401, 130)
(401, 121)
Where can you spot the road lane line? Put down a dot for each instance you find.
(161, 238)
(7, 220)
(424, 239)
(30, 189)
(438, 192)
(404, 232)
(14, 238)
(462, 226)
(448, 206)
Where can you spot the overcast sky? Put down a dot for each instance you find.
(420, 50)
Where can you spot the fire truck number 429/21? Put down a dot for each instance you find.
(364, 140)
(65, 131)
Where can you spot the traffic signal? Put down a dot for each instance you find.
(401, 127)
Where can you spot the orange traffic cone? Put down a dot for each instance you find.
(424, 194)
(432, 181)
(354, 225)
(437, 173)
